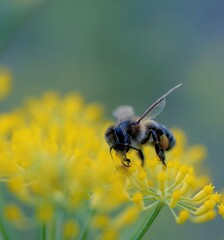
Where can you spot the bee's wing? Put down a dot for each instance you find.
(157, 107)
(123, 113)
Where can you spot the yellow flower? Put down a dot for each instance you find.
(5, 82)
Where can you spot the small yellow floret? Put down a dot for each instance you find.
(137, 198)
(5, 82)
(216, 197)
(170, 164)
(162, 180)
(181, 174)
(13, 212)
(189, 184)
(70, 229)
(183, 217)
(205, 217)
(101, 221)
(207, 206)
(142, 175)
(109, 234)
(127, 217)
(175, 198)
(205, 192)
(17, 186)
(221, 209)
(153, 162)
(143, 180)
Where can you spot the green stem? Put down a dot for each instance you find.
(149, 222)
(58, 223)
(3, 232)
(85, 231)
(52, 229)
(43, 232)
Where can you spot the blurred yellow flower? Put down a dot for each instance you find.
(221, 205)
(5, 82)
(53, 159)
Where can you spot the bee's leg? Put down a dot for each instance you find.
(159, 151)
(140, 153)
(127, 162)
(127, 142)
(141, 156)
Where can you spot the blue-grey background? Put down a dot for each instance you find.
(127, 52)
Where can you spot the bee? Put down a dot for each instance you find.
(132, 132)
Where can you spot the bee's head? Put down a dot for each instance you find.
(114, 138)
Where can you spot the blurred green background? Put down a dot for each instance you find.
(127, 52)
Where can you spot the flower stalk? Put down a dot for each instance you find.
(43, 231)
(150, 221)
(3, 232)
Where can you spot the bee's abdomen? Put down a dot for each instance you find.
(170, 137)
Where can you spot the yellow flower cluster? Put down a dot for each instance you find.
(187, 196)
(54, 159)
